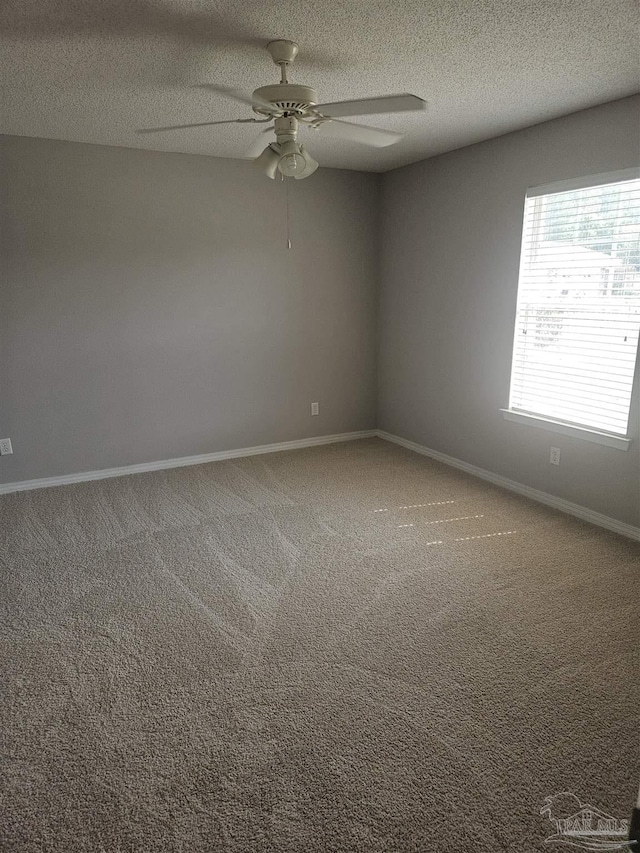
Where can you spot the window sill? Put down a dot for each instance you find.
(586, 434)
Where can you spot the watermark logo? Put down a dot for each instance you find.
(586, 827)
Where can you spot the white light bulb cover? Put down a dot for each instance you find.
(269, 159)
(310, 165)
(292, 165)
(292, 162)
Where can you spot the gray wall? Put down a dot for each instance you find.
(150, 309)
(451, 235)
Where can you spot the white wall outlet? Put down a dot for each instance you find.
(554, 456)
(315, 408)
(5, 447)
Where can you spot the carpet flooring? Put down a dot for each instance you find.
(344, 648)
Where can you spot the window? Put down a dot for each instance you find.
(578, 308)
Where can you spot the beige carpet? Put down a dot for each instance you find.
(346, 648)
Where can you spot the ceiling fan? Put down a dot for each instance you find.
(289, 106)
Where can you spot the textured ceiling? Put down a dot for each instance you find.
(95, 70)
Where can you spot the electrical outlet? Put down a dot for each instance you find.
(5, 447)
(554, 456)
(315, 409)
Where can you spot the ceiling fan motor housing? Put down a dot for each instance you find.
(287, 97)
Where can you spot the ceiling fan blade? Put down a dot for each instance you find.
(197, 124)
(374, 136)
(370, 106)
(235, 95)
(258, 145)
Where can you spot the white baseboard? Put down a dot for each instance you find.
(181, 462)
(520, 489)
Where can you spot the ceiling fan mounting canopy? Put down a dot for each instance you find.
(282, 50)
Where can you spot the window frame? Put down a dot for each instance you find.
(539, 421)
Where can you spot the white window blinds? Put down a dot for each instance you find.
(578, 309)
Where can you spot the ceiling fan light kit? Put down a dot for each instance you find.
(290, 159)
(290, 106)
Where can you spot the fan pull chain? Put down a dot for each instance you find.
(286, 180)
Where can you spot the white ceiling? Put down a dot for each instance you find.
(95, 70)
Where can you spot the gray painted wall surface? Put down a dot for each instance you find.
(451, 230)
(149, 307)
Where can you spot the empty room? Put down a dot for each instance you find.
(319, 426)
